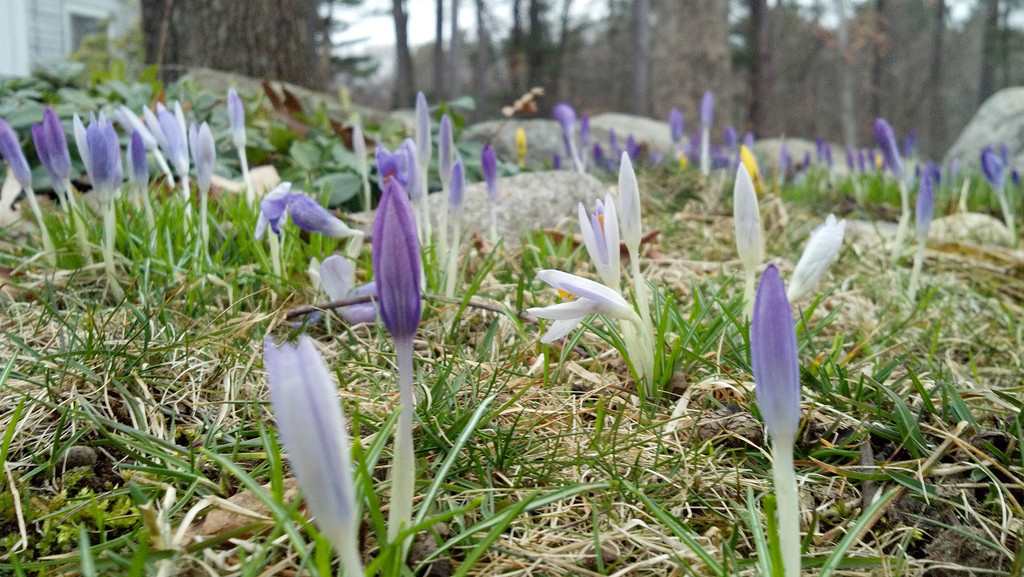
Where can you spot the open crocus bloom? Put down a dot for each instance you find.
(337, 277)
(592, 298)
(601, 237)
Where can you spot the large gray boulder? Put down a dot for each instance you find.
(655, 134)
(767, 151)
(543, 139)
(526, 202)
(1000, 120)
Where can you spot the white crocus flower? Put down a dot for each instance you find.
(747, 219)
(821, 250)
(591, 298)
(601, 237)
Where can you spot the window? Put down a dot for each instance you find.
(82, 26)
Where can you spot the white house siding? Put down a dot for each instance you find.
(38, 33)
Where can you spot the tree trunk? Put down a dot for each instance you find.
(274, 39)
(989, 50)
(536, 44)
(846, 110)
(480, 63)
(515, 56)
(937, 113)
(640, 58)
(878, 63)
(761, 73)
(439, 49)
(454, 54)
(404, 81)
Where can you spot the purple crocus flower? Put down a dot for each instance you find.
(556, 161)
(423, 143)
(52, 149)
(861, 162)
(566, 117)
(730, 137)
(748, 140)
(993, 168)
(104, 152)
(910, 143)
(489, 165)
(10, 150)
(584, 131)
(445, 150)
(633, 148)
(236, 115)
(392, 165)
(456, 196)
(613, 143)
(773, 357)
(887, 142)
(599, 157)
(204, 151)
(851, 164)
(138, 169)
(412, 168)
(675, 125)
(396, 263)
(933, 171)
(1015, 177)
(310, 216)
(272, 209)
(925, 205)
(707, 109)
(177, 147)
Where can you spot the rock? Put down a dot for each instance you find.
(78, 456)
(528, 201)
(767, 152)
(543, 139)
(969, 228)
(654, 133)
(1000, 120)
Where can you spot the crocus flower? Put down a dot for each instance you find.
(747, 221)
(819, 254)
(455, 205)
(556, 161)
(890, 150)
(10, 150)
(521, 147)
(204, 151)
(633, 148)
(749, 162)
(131, 124)
(80, 142)
(584, 131)
(629, 197)
(675, 126)
(177, 147)
(566, 117)
(393, 165)
(489, 166)
(52, 149)
(311, 216)
(104, 153)
(590, 298)
(337, 277)
(412, 168)
(598, 154)
(236, 116)
(315, 435)
(776, 368)
(138, 176)
(153, 124)
(424, 149)
(601, 237)
(910, 143)
(396, 264)
(272, 210)
(993, 168)
(925, 206)
(748, 140)
(730, 138)
(445, 151)
(707, 115)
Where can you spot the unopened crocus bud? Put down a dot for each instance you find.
(925, 207)
(993, 168)
(633, 147)
(556, 161)
(707, 109)
(890, 150)
(749, 162)
(412, 168)
(630, 225)
(337, 277)
(179, 117)
(675, 125)
(819, 254)
(104, 168)
(747, 220)
(310, 216)
(489, 165)
(236, 115)
(138, 169)
(11, 151)
(205, 153)
(302, 394)
(153, 124)
(396, 263)
(521, 147)
(773, 358)
(445, 150)
(423, 142)
(599, 158)
(910, 143)
(177, 147)
(456, 196)
(52, 149)
(730, 137)
(566, 117)
(131, 123)
(80, 141)
(748, 140)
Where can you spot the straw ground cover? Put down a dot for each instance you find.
(137, 437)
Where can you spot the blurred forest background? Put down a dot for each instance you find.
(796, 68)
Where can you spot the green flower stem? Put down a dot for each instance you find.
(81, 234)
(51, 251)
(424, 201)
(915, 275)
(904, 225)
(452, 270)
(403, 466)
(250, 191)
(109, 232)
(749, 286)
(786, 496)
